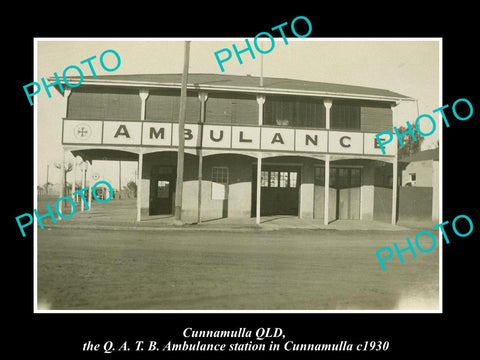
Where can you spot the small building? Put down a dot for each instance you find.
(420, 169)
(419, 194)
(288, 147)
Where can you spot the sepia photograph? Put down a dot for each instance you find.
(237, 175)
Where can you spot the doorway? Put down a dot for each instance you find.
(279, 190)
(162, 190)
(344, 194)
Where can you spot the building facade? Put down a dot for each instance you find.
(288, 147)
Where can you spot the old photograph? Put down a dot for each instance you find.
(233, 174)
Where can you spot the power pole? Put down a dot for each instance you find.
(119, 178)
(47, 181)
(181, 134)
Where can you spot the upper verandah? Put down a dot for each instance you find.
(246, 84)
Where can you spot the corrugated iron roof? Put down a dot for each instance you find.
(237, 82)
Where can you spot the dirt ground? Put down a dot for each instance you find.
(216, 270)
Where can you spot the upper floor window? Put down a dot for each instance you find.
(345, 115)
(164, 105)
(295, 112)
(104, 103)
(231, 109)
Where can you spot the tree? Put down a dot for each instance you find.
(132, 187)
(409, 146)
(67, 168)
(47, 185)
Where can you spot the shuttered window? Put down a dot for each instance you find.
(231, 109)
(345, 115)
(104, 103)
(342, 177)
(165, 106)
(294, 112)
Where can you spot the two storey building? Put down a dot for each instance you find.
(288, 147)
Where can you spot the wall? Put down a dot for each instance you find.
(415, 203)
(423, 171)
(382, 204)
(239, 187)
(376, 117)
(367, 195)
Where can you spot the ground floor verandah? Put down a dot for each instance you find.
(238, 185)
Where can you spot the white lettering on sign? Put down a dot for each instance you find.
(223, 137)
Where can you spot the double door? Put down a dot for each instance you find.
(279, 190)
(344, 194)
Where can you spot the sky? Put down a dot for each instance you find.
(410, 67)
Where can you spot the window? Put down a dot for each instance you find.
(345, 115)
(220, 174)
(279, 179)
(293, 179)
(163, 189)
(355, 179)
(219, 183)
(230, 108)
(264, 179)
(291, 111)
(413, 179)
(273, 179)
(283, 179)
(320, 176)
(343, 177)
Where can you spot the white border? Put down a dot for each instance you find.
(35, 230)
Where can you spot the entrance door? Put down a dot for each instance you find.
(344, 198)
(279, 190)
(162, 188)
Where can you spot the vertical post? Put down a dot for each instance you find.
(90, 187)
(328, 105)
(143, 97)
(261, 65)
(139, 185)
(327, 191)
(259, 188)
(47, 181)
(326, 213)
(62, 182)
(66, 93)
(74, 177)
(84, 173)
(394, 172)
(394, 189)
(260, 101)
(202, 96)
(181, 135)
(119, 178)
